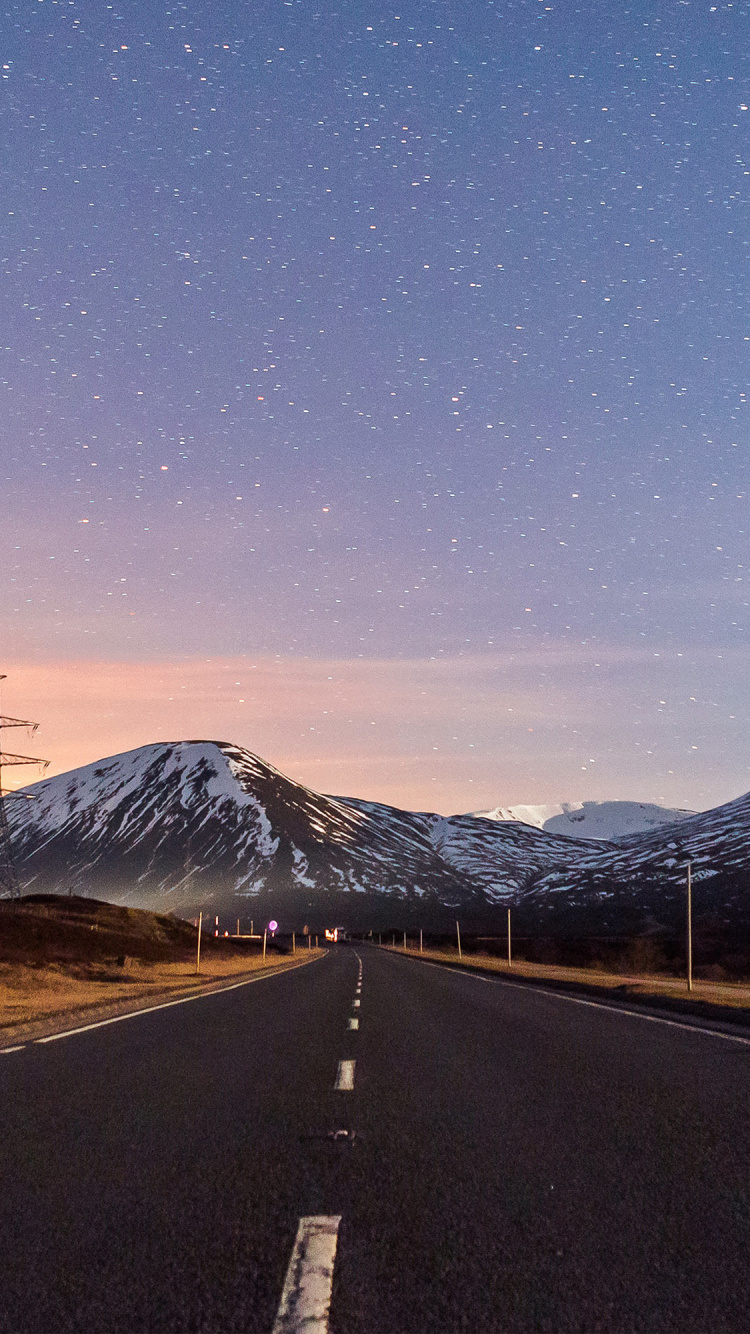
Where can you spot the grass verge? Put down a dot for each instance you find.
(37, 1001)
(724, 999)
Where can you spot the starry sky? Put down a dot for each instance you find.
(373, 390)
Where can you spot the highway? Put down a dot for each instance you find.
(514, 1162)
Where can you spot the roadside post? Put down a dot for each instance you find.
(265, 933)
(294, 944)
(689, 927)
(198, 951)
(420, 940)
(458, 938)
(238, 926)
(404, 940)
(509, 953)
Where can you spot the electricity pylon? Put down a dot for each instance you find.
(9, 887)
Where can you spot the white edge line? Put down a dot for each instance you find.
(595, 1005)
(306, 1295)
(345, 1077)
(166, 1005)
(5, 1051)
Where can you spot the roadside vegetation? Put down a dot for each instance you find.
(641, 966)
(70, 960)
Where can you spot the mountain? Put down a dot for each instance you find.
(203, 824)
(590, 819)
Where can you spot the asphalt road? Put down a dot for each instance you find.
(520, 1163)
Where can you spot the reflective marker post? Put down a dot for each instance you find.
(458, 938)
(509, 954)
(420, 940)
(198, 952)
(689, 927)
(265, 933)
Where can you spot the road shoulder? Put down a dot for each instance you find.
(621, 994)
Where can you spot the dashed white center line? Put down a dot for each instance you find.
(345, 1076)
(356, 1002)
(354, 1023)
(5, 1051)
(306, 1297)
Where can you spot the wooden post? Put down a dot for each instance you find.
(238, 926)
(265, 933)
(458, 938)
(309, 942)
(689, 928)
(510, 959)
(420, 940)
(198, 951)
(404, 940)
(294, 943)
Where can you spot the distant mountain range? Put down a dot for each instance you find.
(591, 819)
(204, 824)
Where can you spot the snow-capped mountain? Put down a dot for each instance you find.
(590, 819)
(203, 824)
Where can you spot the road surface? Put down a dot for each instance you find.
(515, 1162)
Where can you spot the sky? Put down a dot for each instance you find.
(373, 391)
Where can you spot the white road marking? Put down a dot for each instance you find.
(356, 1002)
(345, 1076)
(353, 1023)
(167, 1005)
(5, 1051)
(596, 1005)
(306, 1296)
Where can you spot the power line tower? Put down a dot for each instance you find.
(9, 888)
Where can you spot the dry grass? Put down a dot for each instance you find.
(735, 995)
(38, 1000)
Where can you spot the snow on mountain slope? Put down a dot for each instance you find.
(642, 877)
(206, 824)
(590, 819)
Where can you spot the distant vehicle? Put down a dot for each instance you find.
(336, 933)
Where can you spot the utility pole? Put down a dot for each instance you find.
(198, 951)
(9, 887)
(689, 927)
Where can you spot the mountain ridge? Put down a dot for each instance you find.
(202, 824)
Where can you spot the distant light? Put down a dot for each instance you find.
(273, 926)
